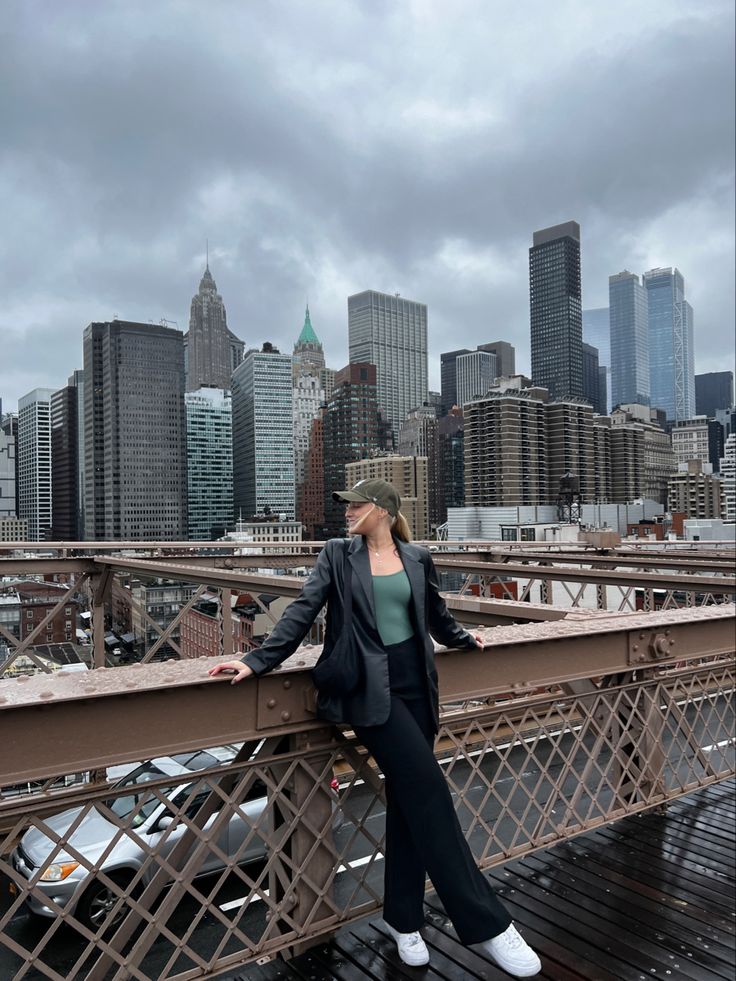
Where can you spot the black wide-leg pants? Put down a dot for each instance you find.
(423, 834)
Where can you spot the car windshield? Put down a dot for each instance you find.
(125, 804)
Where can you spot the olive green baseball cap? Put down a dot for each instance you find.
(372, 491)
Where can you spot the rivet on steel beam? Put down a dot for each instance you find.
(287, 684)
(285, 716)
(271, 703)
(641, 637)
(635, 647)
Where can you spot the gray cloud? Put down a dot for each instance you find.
(331, 147)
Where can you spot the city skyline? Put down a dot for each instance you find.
(107, 212)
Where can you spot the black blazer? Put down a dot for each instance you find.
(371, 703)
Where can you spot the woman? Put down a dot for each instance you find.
(395, 714)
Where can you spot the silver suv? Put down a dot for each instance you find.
(73, 887)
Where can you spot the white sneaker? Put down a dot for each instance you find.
(412, 949)
(511, 952)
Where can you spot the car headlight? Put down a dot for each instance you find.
(58, 871)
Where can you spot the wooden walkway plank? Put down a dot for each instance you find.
(623, 955)
(633, 940)
(651, 896)
(557, 962)
(619, 871)
(664, 837)
(647, 862)
(719, 831)
(697, 865)
(607, 892)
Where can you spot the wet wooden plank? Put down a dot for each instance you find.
(609, 946)
(558, 964)
(648, 862)
(720, 831)
(615, 891)
(651, 896)
(617, 868)
(624, 925)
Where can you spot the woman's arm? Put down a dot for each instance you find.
(442, 624)
(291, 629)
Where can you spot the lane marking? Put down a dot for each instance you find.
(245, 901)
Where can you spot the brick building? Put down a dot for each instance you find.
(25, 605)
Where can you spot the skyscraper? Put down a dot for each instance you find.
(448, 378)
(452, 461)
(212, 351)
(603, 399)
(597, 331)
(556, 312)
(629, 320)
(308, 352)
(592, 379)
(209, 463)
(310, 495)
(67, 406)
(671, 344)
(263, 434)
(713, 391)
(475, 374)
(505, 357)
(9, 430)
(352, 430)
(309, 392)
(7, 475)
(408, 474)
(34, 462)
(134, 432)
(391, 333)
(419, 436)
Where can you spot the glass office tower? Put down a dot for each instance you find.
(629, 327)
(263, 434)
(556, 311)
(671, 347)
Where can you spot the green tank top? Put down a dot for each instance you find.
(392, 596)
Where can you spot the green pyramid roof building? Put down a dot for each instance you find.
(308, 335)
(308, 353)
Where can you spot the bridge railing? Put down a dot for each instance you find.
(494, 584)
(258, 829)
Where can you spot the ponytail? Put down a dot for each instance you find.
(400, 528)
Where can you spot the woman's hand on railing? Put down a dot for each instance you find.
(241, 670)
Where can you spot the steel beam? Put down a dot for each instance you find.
(138, 712)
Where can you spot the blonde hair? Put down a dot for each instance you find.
(400, 528)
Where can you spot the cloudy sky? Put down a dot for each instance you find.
(330, 146)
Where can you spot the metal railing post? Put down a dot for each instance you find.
(101, 586)
(306, 852)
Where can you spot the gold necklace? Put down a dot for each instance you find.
(377, 553)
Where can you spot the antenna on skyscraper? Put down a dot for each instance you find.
(207, 252)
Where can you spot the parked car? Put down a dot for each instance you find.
(73, 887)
